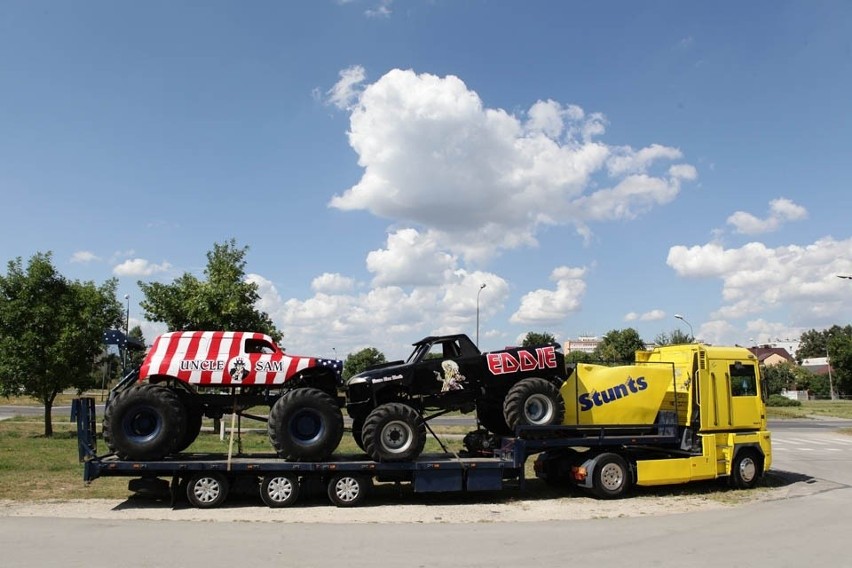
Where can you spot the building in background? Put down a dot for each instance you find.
(583, 344)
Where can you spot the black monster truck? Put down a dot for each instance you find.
(388, 403)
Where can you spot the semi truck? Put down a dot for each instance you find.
(677, 414)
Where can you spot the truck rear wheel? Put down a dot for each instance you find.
(394, 432)
(305, 424)
(145, 422)
(533, 402)
(347, 490)
(611, 477)
(279, 490)
(207, 490)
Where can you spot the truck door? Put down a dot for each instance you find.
(745, 398)
(716, 396)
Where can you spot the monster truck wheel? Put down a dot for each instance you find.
(533, 402)
(746, 469)
(492, 419)
(207, 490)
(305, 424)
(611, 477)
(279, 490)
(358, 431)
(347, 490)
(144, 422)
(194, 416)
(394, 432)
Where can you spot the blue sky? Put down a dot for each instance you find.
(597, 165)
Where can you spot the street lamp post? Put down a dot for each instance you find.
(830, 381)
(691, 332)
(126, 331)
(477, 313)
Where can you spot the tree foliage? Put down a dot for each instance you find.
(224, 301)
(786, 376)
(619, 346)
(361, 360)
(836, 344)
(676, 337)
(51, 330)
(533, 338)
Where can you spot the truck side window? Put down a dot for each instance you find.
(258, 346)
(743, 381)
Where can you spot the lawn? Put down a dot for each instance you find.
(814, 408)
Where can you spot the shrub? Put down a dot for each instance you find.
(780, 400)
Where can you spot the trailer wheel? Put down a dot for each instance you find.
(394, 432)
(145, 422)
(611, 477)
(207, 490)
(279, 490)
(746, 469)
(534, 402)
(347, 490)
(305, 424)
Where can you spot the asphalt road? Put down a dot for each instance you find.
(810, 526)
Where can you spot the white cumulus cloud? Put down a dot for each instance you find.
(653, 315)
(756, 278)
(479, 179)
(140, 267)
(546, 307)
(410, 258)
(84, 257)
(780, 211)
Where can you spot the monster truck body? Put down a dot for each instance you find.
(507, 388)
(191, 374)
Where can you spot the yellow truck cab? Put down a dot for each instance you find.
(680, 413)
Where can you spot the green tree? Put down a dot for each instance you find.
(224, 301)
(619, 346)
(676, 337)
(135, 357)
(533, 338)
(361, 360)
(786, 375)
(836, 344)
(51, 330)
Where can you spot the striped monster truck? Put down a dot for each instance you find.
(157, 410)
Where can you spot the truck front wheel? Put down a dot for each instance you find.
(305, 424)
(394, 432)
(533, 402)
(145, 422)
(746, 469)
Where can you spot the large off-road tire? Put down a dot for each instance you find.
(611, 477)
(533, 402)
(358, 431)
(746, 469)
(194, 416)
(305, 424)
(144, 422)
(394, 432)
(491, 417)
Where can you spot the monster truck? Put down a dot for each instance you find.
(517, 386)
(157, 410)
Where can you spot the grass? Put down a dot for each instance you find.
(813, 408)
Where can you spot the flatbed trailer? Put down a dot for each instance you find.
(206, 478)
